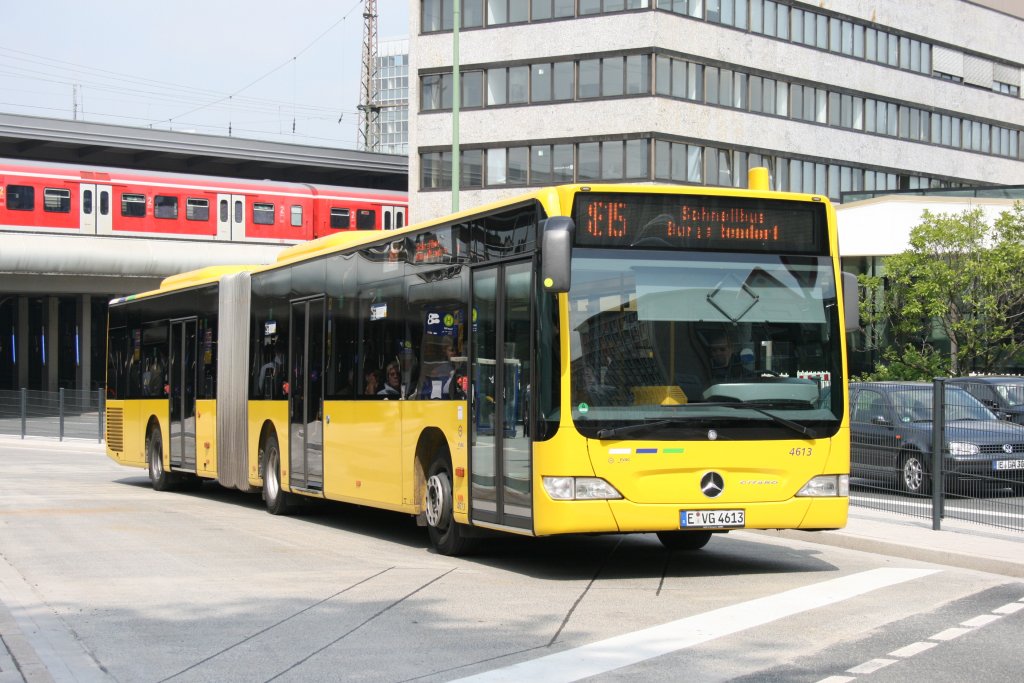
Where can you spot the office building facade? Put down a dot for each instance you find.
(831, 97)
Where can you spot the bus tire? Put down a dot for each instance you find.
(161, 479)
(446, 535)
(278, 502)
(684, 540)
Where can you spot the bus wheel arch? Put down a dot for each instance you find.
(433, 458)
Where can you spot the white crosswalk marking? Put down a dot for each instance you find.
(632, 648)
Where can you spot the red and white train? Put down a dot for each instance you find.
(39, 197)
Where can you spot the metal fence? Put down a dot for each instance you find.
(938, 450)
(64, 414)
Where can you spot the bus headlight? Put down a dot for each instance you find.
(826, 485)
(580, 488)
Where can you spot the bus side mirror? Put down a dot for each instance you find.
(851, 302)
(556, 254)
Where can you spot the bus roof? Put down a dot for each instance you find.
(191, 278)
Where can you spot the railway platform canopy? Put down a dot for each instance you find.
(81, 142)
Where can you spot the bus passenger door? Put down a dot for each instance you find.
(501, 467)
(181, 379)
(94, 209)
(305, 395)
(231, 217)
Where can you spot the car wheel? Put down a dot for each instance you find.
(446, 535)
(914, 477)
(684, 540)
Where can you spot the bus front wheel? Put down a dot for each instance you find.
(446, 535)
(277, 501)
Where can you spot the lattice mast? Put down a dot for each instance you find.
(369, 105)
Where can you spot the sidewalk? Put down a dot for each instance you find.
(958, 544)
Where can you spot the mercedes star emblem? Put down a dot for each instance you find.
(711, 484)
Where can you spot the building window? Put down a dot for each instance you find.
(262, 213)
(56, 200)
(133, 205)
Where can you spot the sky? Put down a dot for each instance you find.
(281, 70)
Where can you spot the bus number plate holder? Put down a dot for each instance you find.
(712, 519)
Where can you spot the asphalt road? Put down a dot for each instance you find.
(102, 578)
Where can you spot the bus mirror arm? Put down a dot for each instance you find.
(556, 254)
(851, 302)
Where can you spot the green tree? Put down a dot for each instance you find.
(959, 280)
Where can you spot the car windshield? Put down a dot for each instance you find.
(681, 340)
(1012, 393)
(915, 404)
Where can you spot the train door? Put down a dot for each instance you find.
(500, 462)
(231, 217)
(94, 209)
(305, 395)
(393, 217)
(181, 380)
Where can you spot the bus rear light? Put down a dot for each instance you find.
(826, 485)
(580, 488)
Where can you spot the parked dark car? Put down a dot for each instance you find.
(891, 435)
(1003, 394)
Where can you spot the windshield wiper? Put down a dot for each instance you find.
(626, 429)
(762, 406)
(756, 406)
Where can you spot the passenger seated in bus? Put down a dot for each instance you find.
(392, 381)
(371, 380)
(437, 381)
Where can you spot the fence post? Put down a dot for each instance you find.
(24, 410)
(99, 413)
(60, 408)
(938, 445)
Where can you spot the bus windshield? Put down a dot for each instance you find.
(669, 344)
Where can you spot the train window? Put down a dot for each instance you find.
(223, 211)
(366, 219)
(133, 205)
(296, 215)
(263, 214)
(340, 218)
(199, 209)
(56, 200)
(239, 213)
(104, 203)
(165, 206)
(21, 197)
(86, 201)
(387, 220)
(399, 219)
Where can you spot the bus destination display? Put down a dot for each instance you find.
(689, 222)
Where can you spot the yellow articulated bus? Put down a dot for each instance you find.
(579, 359)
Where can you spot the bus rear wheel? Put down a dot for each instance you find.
(278, 502)
(158, 477)
(684, 540)
(446, 535)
